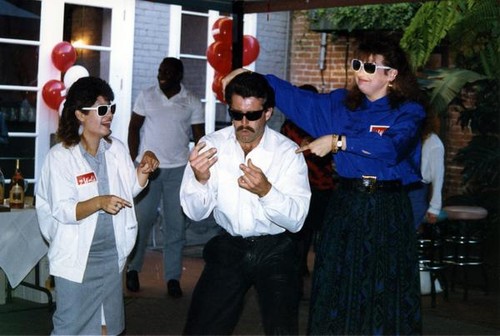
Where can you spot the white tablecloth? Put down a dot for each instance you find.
(21, 244)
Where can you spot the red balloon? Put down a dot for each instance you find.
(217, 86)
(63, 56)
(222, 29)
(53, 93)
(251, 49)
(219, 56)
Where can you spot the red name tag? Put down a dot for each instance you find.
(86, 178)
(380, 129)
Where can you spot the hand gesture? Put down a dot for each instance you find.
(321, 146)
(113, 204)
(149, 163)
(254, 180)
(201, 162)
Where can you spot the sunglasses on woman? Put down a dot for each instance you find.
(102, 109)
(251, 115)
(368, 67)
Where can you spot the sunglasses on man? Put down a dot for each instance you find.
(102, 109)
(368, 67)
(250, 115)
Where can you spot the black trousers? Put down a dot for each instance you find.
(232, 266)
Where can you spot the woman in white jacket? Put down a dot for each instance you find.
(85, 211)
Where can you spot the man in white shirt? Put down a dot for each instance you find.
(164, 117)
(257, 187)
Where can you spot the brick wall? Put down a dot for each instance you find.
(305, 54)
(454, 138)
(273, 33)
(150, 43)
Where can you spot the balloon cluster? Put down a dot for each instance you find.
(220, 54)
(63, 57)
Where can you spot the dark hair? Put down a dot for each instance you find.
(309, 87)
(83, 93)
(250, 84)
(431, 125)
(174, 66)
(404, 87)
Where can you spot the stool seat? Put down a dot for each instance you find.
(464, 212)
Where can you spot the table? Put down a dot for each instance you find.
(21, 246)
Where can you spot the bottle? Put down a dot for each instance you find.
(16, 194)
(2, 187)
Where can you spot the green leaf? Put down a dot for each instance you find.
(445, 84)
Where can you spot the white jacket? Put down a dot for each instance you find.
(58, 191)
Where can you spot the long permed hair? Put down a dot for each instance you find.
(83, 93)
(404, 87)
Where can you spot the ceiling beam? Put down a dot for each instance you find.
(264, 6)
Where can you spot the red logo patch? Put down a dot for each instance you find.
(86, 178)
(380, 129)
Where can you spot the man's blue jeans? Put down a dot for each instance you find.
(163, 187)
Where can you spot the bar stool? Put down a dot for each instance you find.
(430, 258)
(464, 242)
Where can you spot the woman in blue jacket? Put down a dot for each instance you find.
(366, 278)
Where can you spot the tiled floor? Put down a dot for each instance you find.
(151, 312)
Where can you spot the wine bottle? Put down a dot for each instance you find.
(16, 194)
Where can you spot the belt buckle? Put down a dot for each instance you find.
(369, 182)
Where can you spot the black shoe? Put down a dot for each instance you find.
(174, 289)
(133, 281)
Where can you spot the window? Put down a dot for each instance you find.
(26, 65)
(196, 36)
(19, 52)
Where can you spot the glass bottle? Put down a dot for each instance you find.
(16, 194)
(2, 187)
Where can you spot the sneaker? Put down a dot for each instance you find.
(174, 289)
(133, 281)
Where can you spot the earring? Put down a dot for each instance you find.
(390, 84)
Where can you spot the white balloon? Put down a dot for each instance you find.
(61, 106)
(73, 74)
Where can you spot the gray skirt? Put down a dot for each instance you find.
(80, 306)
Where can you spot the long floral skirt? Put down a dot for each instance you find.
(366, 277)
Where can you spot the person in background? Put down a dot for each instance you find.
(320, 171)
(85, 211)
(425, 195)
(257, 187)
(366, 276)
(163, 119)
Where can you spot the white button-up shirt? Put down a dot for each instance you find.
(238, 211)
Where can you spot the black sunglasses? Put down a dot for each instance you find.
(251, 115)
(102, 109)
(369, 68)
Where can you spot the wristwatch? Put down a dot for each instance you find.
(336, 143)
(340, 142)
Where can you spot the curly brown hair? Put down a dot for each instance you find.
(82, 93)
(404, 87)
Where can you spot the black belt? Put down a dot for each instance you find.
(370, 184)
(254, 239)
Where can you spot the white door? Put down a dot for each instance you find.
(102, 33)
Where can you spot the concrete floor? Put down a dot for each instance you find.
(151, 312)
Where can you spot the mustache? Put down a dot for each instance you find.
(248, 128)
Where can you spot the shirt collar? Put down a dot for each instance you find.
(381, 102)
(103, 147)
